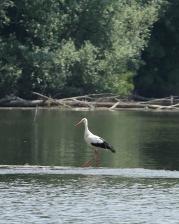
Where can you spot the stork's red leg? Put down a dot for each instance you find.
(96, 156)
(88, 163)
(95, 161)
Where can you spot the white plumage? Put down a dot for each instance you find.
(94, 140)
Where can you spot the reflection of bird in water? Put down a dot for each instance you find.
(95, 141)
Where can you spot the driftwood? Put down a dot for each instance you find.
(92, 101)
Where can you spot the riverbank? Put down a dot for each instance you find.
(94, 102)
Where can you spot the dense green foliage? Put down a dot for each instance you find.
(68, 47)
(159, 76)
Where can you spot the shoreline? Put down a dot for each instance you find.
(91, 102)
(88, 109)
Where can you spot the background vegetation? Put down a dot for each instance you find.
(68, 47)
(159, 75)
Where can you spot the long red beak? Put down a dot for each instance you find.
(78, 123)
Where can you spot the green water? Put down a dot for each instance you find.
(42, 181)
(141, 139)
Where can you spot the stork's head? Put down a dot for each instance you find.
(83, 120)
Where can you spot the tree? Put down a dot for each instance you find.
(158, 77)
(60, 47)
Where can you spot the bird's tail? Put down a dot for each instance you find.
(112, 150)
(108, 146)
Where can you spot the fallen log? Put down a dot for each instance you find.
(161, 107)
(104, 104)
(50, 101)
(167, 101)
(91, 101)
(24, 103)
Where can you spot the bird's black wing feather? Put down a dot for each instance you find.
(103, 145)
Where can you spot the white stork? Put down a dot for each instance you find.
(95, 141)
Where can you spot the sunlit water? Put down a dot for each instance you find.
(88, 195)
(42, 181)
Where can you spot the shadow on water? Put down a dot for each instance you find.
(141, 139)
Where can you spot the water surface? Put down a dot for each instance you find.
(141, 139)
(42, 181)
(88, 195)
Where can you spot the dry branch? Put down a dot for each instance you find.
(42, 96)
(114, 106)
(50, 101)
(92, 101)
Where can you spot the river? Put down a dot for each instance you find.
(42, 181)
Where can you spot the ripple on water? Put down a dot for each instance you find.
(77, 195)
(131, 172)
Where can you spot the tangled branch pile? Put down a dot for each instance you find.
(92, 101)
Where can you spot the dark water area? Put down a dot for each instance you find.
(141, 139)
(42, 181)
